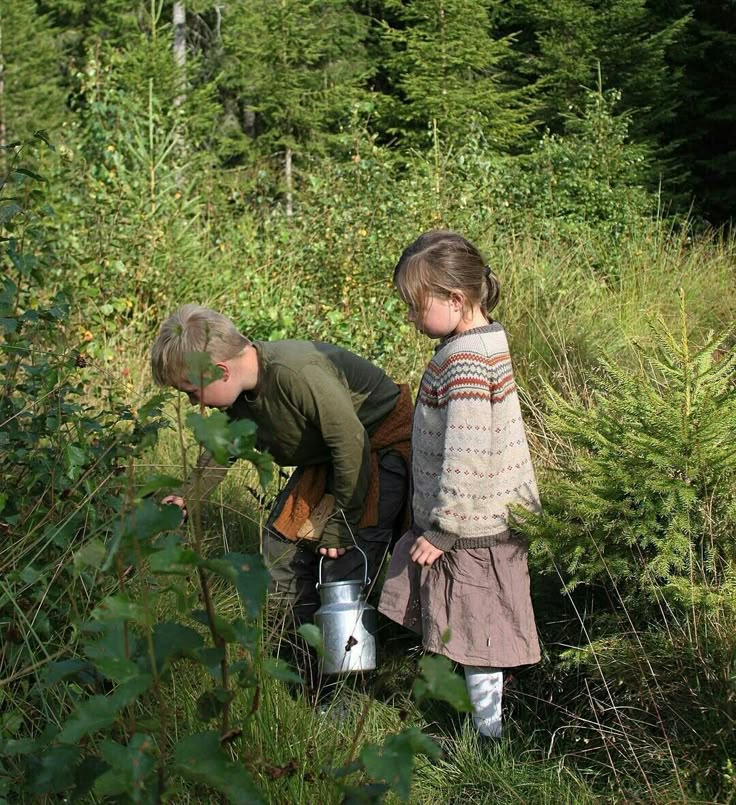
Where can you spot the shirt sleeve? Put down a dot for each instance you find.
(326, 404)
(207, 475)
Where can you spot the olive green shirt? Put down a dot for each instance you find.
(317, 403)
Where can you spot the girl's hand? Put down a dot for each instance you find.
(332, 553)
(424, 553)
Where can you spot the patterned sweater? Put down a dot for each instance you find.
(470, 457)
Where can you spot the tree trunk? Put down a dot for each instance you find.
(3, 135)
(180, 47)
(288, 176)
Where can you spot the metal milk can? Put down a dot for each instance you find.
(348, 624)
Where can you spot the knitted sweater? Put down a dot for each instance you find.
(470, 457)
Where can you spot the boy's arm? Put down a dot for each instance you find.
(203, 479)
(326, 404)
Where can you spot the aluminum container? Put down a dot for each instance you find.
(347, 623)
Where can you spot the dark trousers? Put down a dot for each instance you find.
(295, 566)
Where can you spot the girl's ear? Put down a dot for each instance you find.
(225, 370)
(457, 300)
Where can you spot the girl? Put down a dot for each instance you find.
(459, 577)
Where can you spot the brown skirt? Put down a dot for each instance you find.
(472, 605)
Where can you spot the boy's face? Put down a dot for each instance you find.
(220, 393)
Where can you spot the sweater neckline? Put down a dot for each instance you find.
(484, 328)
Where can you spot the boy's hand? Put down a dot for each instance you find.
(177, 501)
(332, 553)
(422, 552)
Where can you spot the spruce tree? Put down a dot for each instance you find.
(449, 72)
(298, 65)
(705, 118)
(644, 497)
(591, 174)
(83, 22)
(569, 43)
(31, 93)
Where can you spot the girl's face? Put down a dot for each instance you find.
(439, 316)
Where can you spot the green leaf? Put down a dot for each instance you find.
(227, 440)
(29, 575)
(109, 653)
(90, 555)
(74, 459)
(200, 758)
(249, 575)
(8, 210)
(247, 635)
(68, 669)
(200, 369)
(8, 293)
(100, 712)
(173, 641)
(263, 462)
(21, 746)
(278, 669)
(213, 432)
(149, 519)
(144, 522)
(118, 669)
(129, 767)
(211, 657)
(438, 680)
(55, 773)
(174, 559)
(85, 775)
(158, 482)
(393, 762)
(44, 138)
(30, 174)
(313, 637)
(119, 607)
(212, 702)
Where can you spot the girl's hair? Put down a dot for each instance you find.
(193, 328)
(440, 262)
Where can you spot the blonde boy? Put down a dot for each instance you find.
(340, 420)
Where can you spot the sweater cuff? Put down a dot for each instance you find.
(442, 540)
(335, 535)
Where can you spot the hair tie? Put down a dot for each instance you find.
(487, 271)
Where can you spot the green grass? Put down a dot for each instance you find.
(563, 319)
(578, 732)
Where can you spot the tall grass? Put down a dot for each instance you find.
(624, 721)
(627, 723)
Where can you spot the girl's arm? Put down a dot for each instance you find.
(422, 552)
(454, 460)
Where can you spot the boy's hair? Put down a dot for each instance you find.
(193, 328)
(440, 262)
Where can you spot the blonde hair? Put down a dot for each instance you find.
(440, 262)
(193, 328)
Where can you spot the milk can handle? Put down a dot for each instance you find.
(366, 580)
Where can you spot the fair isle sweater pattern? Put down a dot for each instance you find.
(471, 458)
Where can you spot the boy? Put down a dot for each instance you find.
(339, 419)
